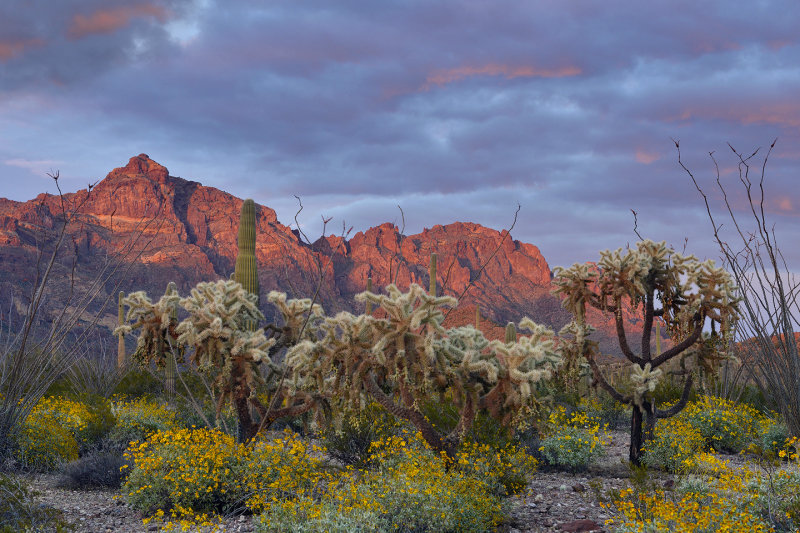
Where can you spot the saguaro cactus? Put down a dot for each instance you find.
(432, 272)
(171, 370)
(122, 358)
(246, 272)
(511, 333)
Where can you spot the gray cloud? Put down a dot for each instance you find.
(454, 110)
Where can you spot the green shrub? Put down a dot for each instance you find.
(43, 443)
(139, 382)
(85, 423)
(411, 488)
(19, 510)
(96, 470)
(350, 437)
(726, 426)
(137, 419)
(196, 471)
(572, 441)
(674, 445)
(773, 436)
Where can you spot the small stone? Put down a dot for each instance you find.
(578, 487)
(532, 505)
(580, 526)
(562, 488)
(538, 498)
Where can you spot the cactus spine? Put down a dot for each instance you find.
(246, 272)
(171, 370)
(511, 333)
(122, 358)
(432, 272)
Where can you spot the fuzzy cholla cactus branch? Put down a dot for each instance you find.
(157, 323)
(659, 284)
(402, 356)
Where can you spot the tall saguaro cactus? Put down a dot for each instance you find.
(432, 272)
(246, 272)
(122, 358)
(171, 370)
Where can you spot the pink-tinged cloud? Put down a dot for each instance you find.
(785, 204)
(111, 20)
(9, 49)
(776, 113)
(443, 77)
(645, 157)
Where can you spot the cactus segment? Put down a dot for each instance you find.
(432, 273)
(122, 357)
(511, 333)
(246, 272)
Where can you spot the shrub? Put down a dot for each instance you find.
(716, 497)
(99, 469)
(139, 418)
(197, 469)
(86, 422)
(572, 441)
(281, 469)
(43, 443)
(773, 436)
(725, 425)
(411, 488)
(19, 511)
(349, 439)
(192, 472)
(674, 445)
(505, 470)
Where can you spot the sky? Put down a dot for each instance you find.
(446, 110)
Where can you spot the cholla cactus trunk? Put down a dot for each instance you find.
(246, 272)
(171, 370)
(477, 316)
(511, 333)
(432, 273)
(122, 357)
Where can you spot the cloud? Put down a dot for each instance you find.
(646, 157)
(10, 49)
(40, 168)
(110, 20)
(444, 77)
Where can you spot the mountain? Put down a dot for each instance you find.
(191, 232)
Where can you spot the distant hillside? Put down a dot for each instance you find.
(196, 241)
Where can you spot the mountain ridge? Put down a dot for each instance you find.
(196, 241)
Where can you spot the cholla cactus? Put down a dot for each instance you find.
(406, 356)
(217, 333)
(157, 323)
(690, 292)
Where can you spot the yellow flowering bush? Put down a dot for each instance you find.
(80, 419)
(674, 445)
(410, 488)
(139, 418)
(198, 469)
(282, 469)
(572, 441)
(726, 426)
(43, 443)
(724, 499)
(505, 470)
(201, 473)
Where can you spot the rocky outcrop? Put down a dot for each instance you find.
(191, 232)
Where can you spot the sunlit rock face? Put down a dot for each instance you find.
(191, 232)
